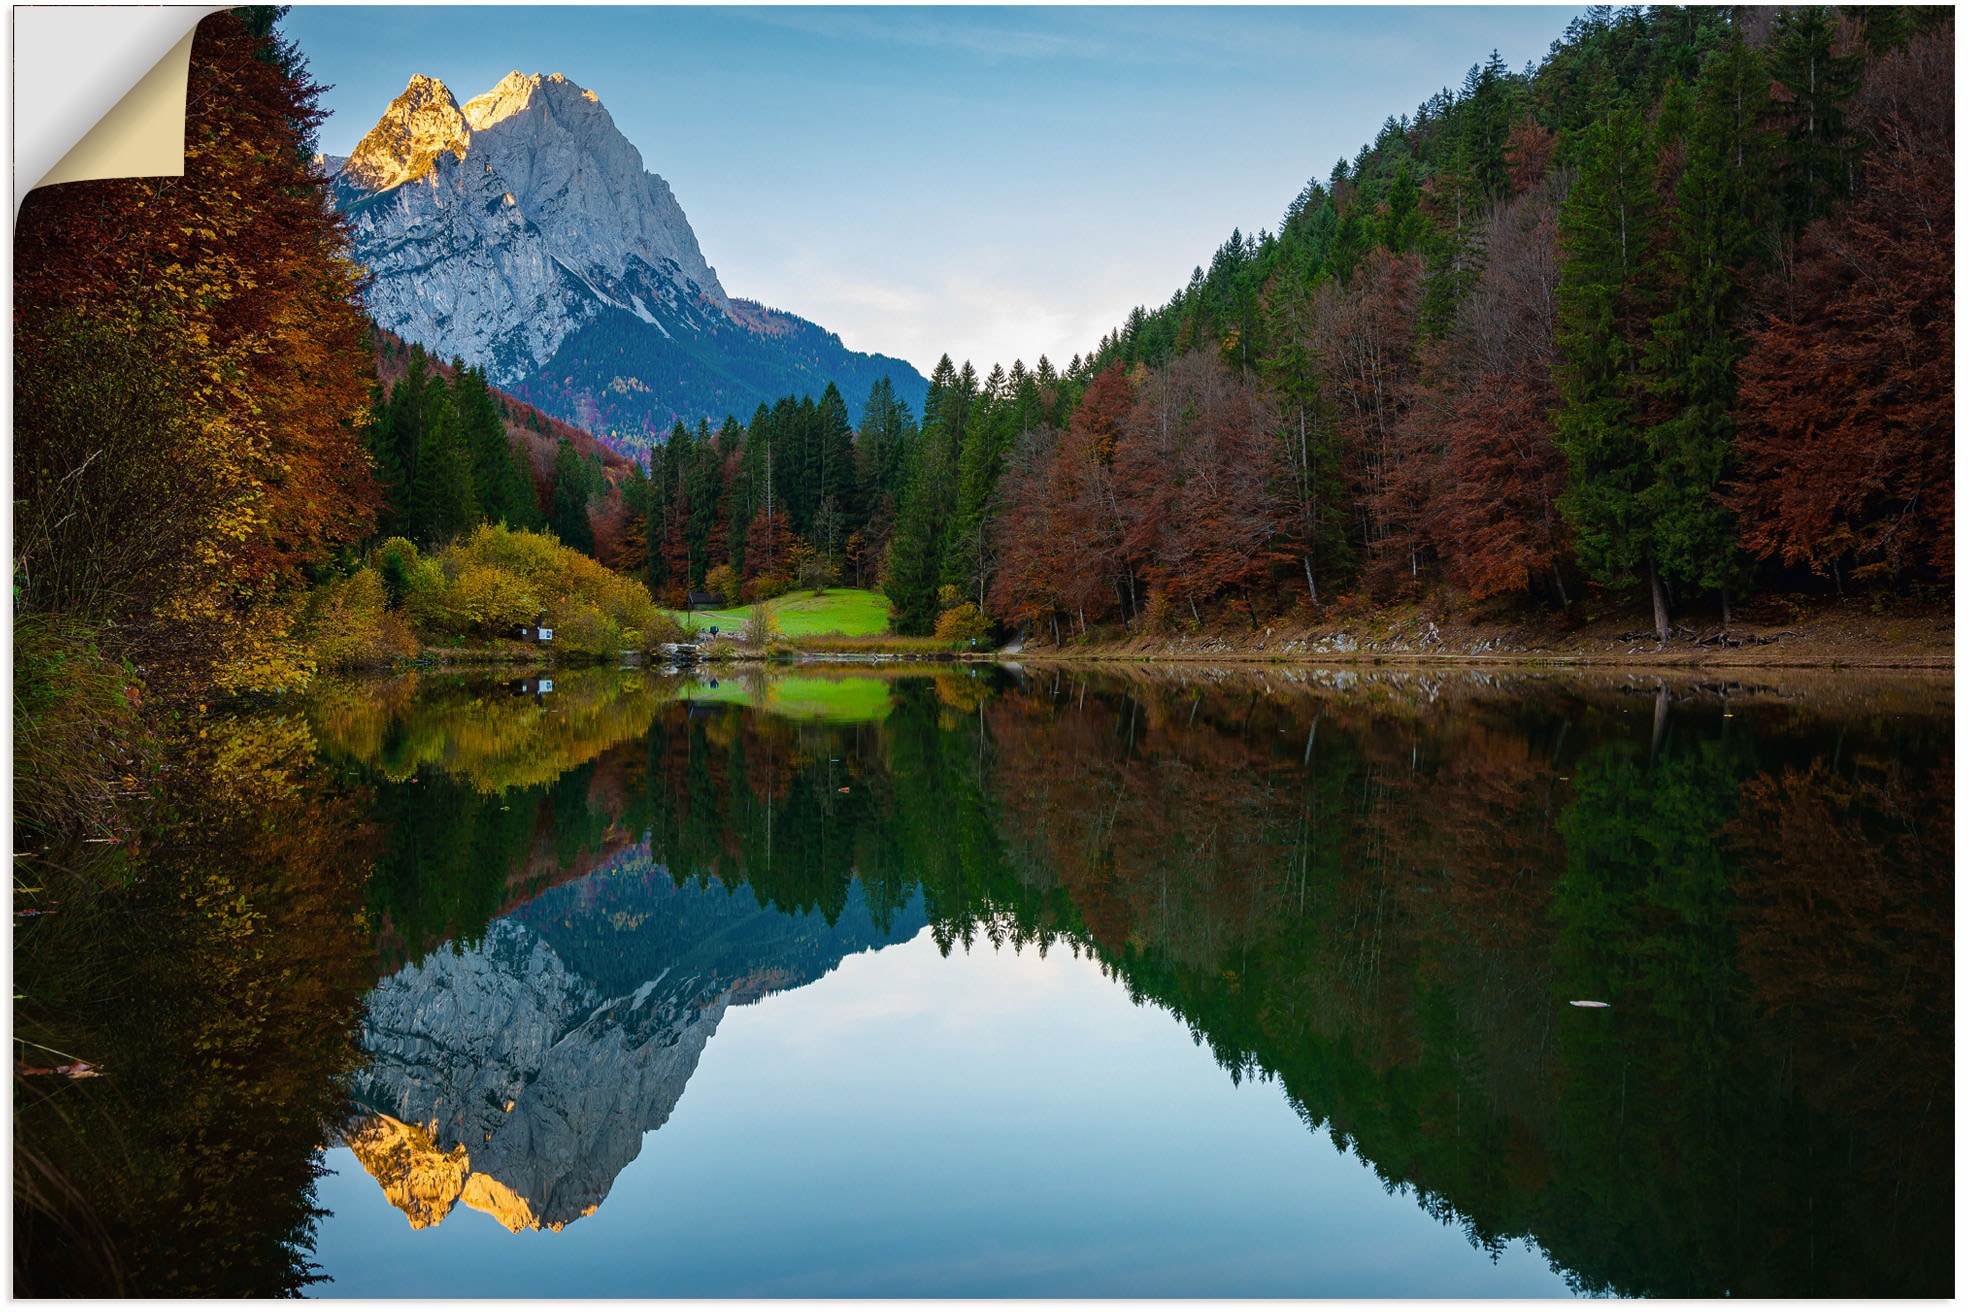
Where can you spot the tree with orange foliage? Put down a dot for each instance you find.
(1198, 472)
(1087, 531)
(1025, 590)
(233, 283)
(1495, 522)
(1846, 410)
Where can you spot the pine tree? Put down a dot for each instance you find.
(966, 553)
(914, 570)
(1717, 240)
(444, 503)
(505, 490)
(1818, 159)
(572, 490)
(1604, 230)
(704, 487)
(835, 483)
(746, 496)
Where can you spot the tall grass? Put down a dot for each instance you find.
(77, 731)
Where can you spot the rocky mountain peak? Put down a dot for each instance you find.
(523, 224)
(419, 126)
(517, 92)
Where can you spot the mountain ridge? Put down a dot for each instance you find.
(522, 232)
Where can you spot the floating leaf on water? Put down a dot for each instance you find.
(1579, 1002)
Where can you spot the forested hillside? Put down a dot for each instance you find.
(1672, 310)
(454, 452)
(1669, 315)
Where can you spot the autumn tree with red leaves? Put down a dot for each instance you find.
(225, 298)
(1495, 522)
(1846, 414)
(1199, 472)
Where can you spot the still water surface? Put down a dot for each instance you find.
(1020, 982)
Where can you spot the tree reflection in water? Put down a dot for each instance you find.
(1381, 893)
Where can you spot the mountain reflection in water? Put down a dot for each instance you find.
(544, 1052)
(1375, 894)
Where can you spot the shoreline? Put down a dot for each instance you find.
(1786, 634)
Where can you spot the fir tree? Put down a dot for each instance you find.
(1604, 229)
(573, 486)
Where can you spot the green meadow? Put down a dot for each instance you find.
(848, 612)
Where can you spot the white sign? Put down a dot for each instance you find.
(546, 635)
(546, 685)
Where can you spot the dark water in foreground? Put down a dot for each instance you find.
(1015, 983)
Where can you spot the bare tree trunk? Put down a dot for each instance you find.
(1310, 585)
(1660, 602)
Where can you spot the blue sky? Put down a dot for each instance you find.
(991, 182)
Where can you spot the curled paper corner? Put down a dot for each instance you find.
(99, 91)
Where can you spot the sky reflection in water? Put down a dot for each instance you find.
(989, 1124)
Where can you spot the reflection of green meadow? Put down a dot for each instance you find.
(849, 700)
(848, 612)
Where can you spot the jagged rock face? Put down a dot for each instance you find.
(543, 1090)
(419, 125)
(519, 1077)
(583, 186)
(494, 230)
(498, 230)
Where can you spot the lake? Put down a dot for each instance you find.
(998, 981)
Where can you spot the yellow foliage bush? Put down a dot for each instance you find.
(962, 623)
(723, 581)
(424, 584)
(349, 624)
(493, 579)
(489, 600)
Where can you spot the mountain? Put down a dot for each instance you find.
(519, 1075)
(521, 232)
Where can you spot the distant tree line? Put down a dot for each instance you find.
(801, 496)
(448, 462)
